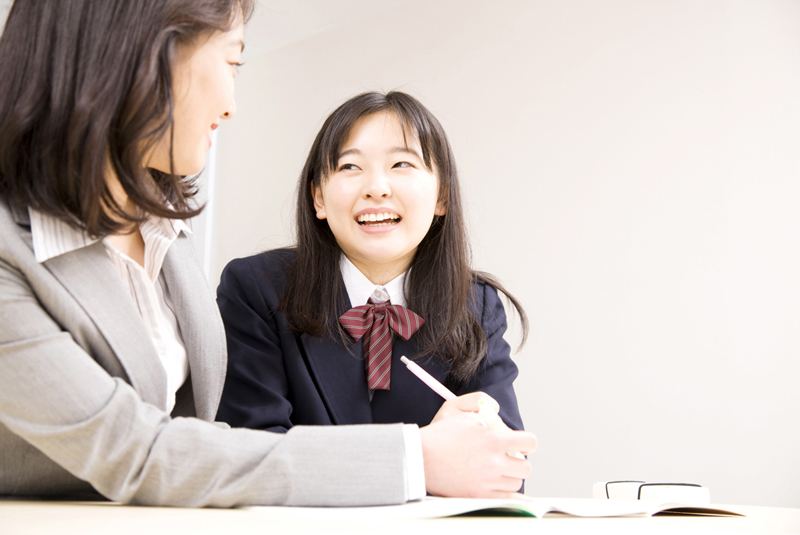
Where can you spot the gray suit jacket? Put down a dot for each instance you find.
(82, 398)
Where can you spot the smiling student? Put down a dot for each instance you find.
(380, 240)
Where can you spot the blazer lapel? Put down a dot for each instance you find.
(23, 221)
(409, 400)
(89, 276)
(200, 324)
(339, 375)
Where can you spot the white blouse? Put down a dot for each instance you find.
(146, 286)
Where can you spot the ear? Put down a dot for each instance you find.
(441, 197)
(319, 203)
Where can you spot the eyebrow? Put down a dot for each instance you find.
(392, 150)
(405, 150)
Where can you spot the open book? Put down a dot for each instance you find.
(538, 507)
(431, 507)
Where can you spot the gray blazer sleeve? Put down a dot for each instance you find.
(58, 400)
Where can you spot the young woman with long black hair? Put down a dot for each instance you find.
(380, 237)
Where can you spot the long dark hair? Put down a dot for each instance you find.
(85, 84)
(440, 282)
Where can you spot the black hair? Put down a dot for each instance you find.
(85, 84)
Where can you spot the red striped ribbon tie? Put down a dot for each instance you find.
(373, 324)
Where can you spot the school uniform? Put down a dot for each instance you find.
(277, 379)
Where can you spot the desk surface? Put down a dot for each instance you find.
(65, 518)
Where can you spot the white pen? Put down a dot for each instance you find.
(428, 379)
(490, 417)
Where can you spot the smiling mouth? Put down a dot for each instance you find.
(378, 220)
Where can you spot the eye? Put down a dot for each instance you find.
(348, 167)
(402, 164)
(236, 65)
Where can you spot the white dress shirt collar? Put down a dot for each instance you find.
(360, 288)
(53, 236)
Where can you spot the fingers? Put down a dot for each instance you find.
(522, 441)
(492, 420)
(466, 403)
(516, 469)
(470, 402)
(464, 457)
(503, 485)
(510, 469)
(507, 484)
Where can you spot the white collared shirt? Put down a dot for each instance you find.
(359, 289)
(146, 285)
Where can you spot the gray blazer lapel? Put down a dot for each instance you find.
(89, 276)
(200, 323)
(23, 220)
(341, 379)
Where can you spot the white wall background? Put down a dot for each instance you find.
(631, 170)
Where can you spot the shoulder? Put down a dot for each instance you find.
(483, 295)
(267, 269)
(271, 264)
(486, 305)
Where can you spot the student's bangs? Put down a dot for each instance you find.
(415, 120)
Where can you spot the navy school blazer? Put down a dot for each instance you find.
(277, 379)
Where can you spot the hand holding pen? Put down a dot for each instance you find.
(466, 454)
(488, 408)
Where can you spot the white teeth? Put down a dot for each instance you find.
(368, 218)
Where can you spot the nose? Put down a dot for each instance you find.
(231, 111)
(377, 185)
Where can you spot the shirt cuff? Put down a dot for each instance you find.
(415, 468)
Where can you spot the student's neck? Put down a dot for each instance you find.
(380, 274)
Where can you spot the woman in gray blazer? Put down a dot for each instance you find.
(112, 353)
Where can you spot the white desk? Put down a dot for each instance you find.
(65, 518)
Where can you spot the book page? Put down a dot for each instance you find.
(433, 507)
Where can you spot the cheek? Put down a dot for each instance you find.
(190, 144)
(208, 97)
(424, 197)
(339, 200)
(188, 120)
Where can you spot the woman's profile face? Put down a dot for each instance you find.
(203, 81)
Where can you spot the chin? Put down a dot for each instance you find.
(190, 169)
(387, 258)
(197, 170)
